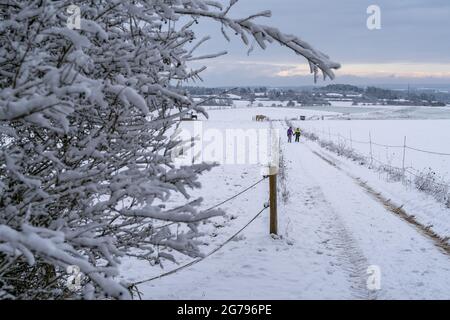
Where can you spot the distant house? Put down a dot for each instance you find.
(334, 95)
(233, 96)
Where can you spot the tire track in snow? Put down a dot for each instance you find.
(398, 211)
(340, 241)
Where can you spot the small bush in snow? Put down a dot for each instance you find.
(393, 174)
(310, 136)
(342, 150)
(428, 182)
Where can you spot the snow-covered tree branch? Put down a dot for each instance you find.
(85, 123)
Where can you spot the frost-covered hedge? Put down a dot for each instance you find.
(85, 121)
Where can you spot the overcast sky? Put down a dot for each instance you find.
(412, 46)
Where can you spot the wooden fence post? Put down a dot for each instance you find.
(403, 161)
(273, 171)
(351, 139)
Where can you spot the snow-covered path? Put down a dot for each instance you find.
(332, 230)
(362, 232)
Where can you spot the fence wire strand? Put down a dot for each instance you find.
(407, 170)
(429, 152)
(382, 145)
(221, 203)
(237, 195)
(134, 284)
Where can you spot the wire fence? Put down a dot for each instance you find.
(237, 195)
(426, 181)
(133, 286)
(220, 203)
(204, 257)
(350, 139)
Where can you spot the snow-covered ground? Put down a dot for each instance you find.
(332, 229)
(345, 110)
(427, 135)
(383, 112)
(245, 114)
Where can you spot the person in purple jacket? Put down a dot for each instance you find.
(290, 133)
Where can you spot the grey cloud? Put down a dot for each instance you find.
(412, 31)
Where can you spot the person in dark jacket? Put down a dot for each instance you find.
(297, 134)
(290, 132)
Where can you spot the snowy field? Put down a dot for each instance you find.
(345, 110)
(387, 134)
(383, 112)
(221, 183)
(331, 230)
(388, 139)
(245, 113)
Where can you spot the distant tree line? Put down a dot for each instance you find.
(319, 96)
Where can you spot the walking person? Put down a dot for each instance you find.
(297, 134)
(290, 133)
